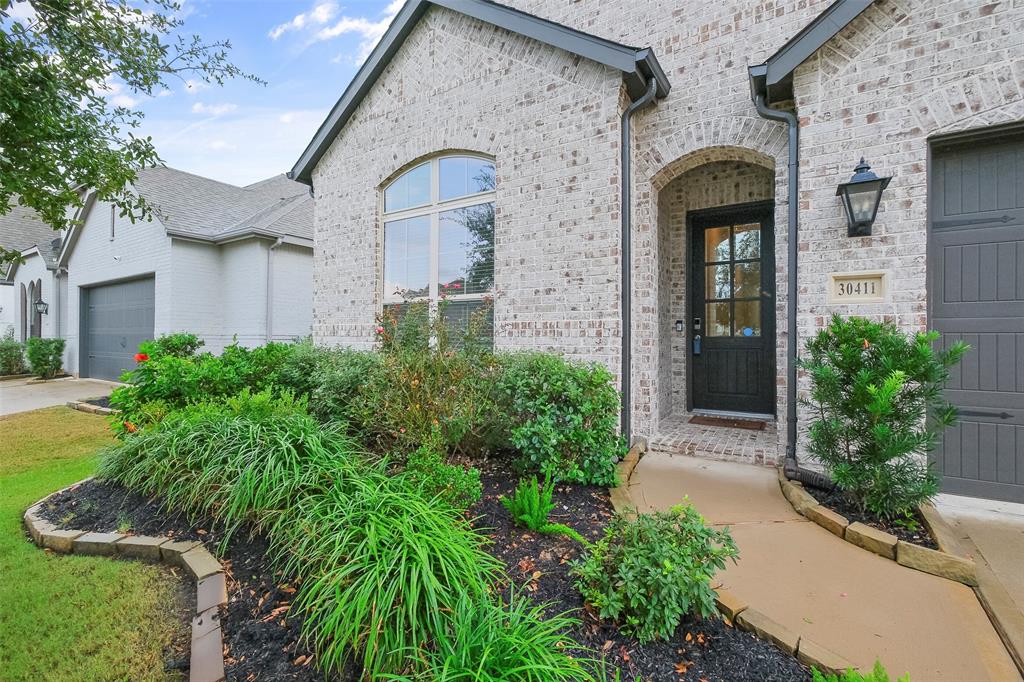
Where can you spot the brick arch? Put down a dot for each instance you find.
(409, 165)
(736, 138)
(476, 140)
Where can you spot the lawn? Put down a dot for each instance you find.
(69, 617)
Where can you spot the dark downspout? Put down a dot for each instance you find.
(626, 351)
(791, 467)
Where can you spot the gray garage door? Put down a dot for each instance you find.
(116, 319)
(976, 283)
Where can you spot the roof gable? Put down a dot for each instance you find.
(638, 65)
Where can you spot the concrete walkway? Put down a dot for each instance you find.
(17, 395)
(844, 598)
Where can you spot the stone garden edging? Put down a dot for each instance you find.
(13, 377)
(946, 562)
(83, 406)
(732, 607)
(206, 652)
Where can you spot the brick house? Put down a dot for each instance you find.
(531, 114)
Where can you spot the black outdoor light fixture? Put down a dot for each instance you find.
(861, 196)
(42, 307)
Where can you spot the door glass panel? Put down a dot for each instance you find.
(716, 244)
(748, 279)
(748, 318)
(716, 281)
(747, 240)
(718, 319)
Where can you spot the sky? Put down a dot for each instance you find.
(306, 50)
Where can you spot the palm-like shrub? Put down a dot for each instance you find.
(650, 571)
(531, 505)
(876, 395)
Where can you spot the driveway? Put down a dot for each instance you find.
(20, 396)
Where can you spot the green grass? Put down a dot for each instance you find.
(68, 617)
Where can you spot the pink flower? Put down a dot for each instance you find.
(380, 330)
(456, 286)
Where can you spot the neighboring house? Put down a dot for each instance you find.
(224, 262)
(469, 111)
(37, 278)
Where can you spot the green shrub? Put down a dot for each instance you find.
(12, 355)
(530, 506)
(179, 344)
(45, 356)
(383, 569)
(878, 674)
(242, 461)
(452, 484)
(876, 395)
(494, 642)
(343, 376)
(648, 572)
(562, 416)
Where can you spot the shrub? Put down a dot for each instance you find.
(242, 461)
(530, 506)
(648, 572)
(456, 486)
(180, 345)
(343, 375)
(492, 641)
(12, 355)
(45, 356)
(562, 416)
(876, 394)
(383, 569)
(878, 674)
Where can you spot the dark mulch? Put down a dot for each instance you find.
(838, 501)
(102, 401)
(263, 645)
(542, 563)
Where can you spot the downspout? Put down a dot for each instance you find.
(791, 468)
(270, 288)
(627, 265)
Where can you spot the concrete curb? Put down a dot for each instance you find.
(807, 651)
(83, 406)
(206, 658)
(949, 561)
(14, 377)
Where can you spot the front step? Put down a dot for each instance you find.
(677, 436)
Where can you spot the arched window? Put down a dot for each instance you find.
(439, 236)
(23, 315)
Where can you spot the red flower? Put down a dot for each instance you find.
(380, 330)
(867, 344)
(130, 428)
(141, 357)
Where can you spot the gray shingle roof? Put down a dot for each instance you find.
(191, 204)
(22, 228)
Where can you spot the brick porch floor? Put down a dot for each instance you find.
(677, 436)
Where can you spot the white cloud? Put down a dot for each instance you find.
(123, 101)
(213, 109)
(221, 145)
(193, 86)
(318, 16)
(287, 117)
(22, 11)
(165, 93)
(317, 26)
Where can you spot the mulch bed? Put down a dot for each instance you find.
(263, 645)
(103, 401)
(839, 502)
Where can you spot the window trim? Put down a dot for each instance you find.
(433, 210)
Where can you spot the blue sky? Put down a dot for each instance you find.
(306, 50)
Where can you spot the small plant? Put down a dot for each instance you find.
(45, 356)
(647, 573)
(530, 506)
(562, 416)
(877, 398)
(878, 674)
(12, 354)
(124, 524)
(456, 486)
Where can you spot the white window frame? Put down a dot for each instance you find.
(434, 209)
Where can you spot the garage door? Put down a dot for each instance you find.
(976, 293)
(117, 318)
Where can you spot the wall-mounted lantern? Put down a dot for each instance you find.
(861, 196)
(42, 307)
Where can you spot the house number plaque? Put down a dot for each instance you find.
(857, 287)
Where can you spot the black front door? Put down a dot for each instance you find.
(732, 312)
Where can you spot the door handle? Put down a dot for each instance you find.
(696, 344)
